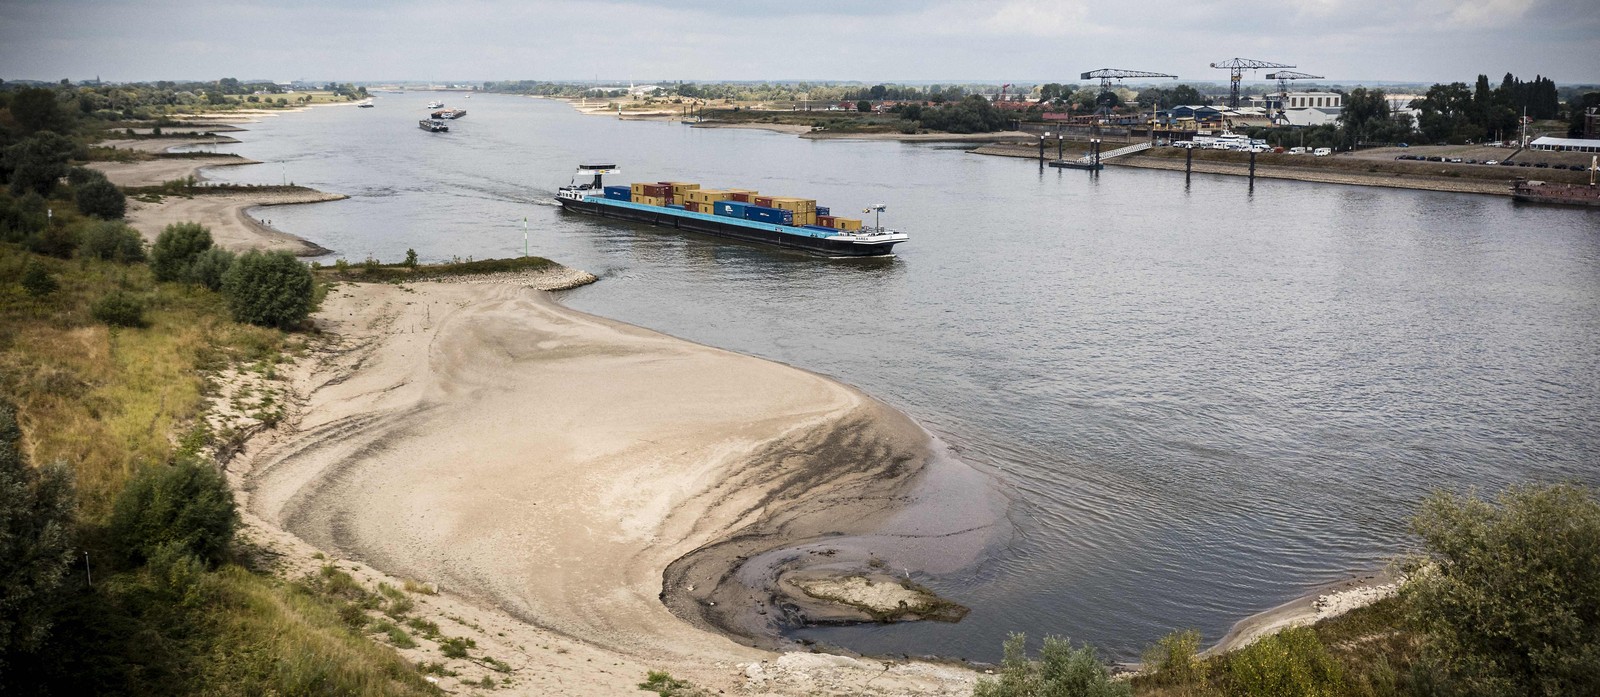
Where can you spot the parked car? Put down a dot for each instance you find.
(1322, 152)
(1435, 158)
(1507, 163)
(1542, 165)
(1456, 160)
(1404, 145)
(1491, 162)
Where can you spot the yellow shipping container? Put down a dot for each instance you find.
(708, 195)
(680, 188)
(798, 205)
(650, 200)
(847, 223)
(806, 218)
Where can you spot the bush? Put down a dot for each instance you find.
(109, 240)
(35, 542)
(100, 198)
(1509, 599)
(1173, 660)
(210, 267)
(1061, 670)
(271, 289)
(119, 309)
(53, 240)
(185, 509)
(1291, 663)
(38, 282)
(176, 249)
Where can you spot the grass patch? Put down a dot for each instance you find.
(456, 647)
(106, 399)
(662, 683)
(373, 272)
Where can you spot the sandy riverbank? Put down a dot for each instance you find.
(230, 216)
(550, 466)
(1325, 603)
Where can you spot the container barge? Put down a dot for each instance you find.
(433, 125)
(741, 214)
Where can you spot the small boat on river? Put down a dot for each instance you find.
(433, 125)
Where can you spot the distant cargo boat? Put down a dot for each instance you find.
(433, 125)
(741, 214)
(449, 113)
(435, 105)
(1550, 192)
(365, 105)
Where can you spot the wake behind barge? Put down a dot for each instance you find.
(739, 214)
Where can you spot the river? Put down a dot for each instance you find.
(1204, 398)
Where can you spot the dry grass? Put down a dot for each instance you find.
(106, 400)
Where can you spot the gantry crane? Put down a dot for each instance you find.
(1283, 77)
(1108, 75)
(1236, 68)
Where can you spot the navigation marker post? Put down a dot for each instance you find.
(524, 237)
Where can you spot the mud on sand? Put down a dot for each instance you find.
(549, 466)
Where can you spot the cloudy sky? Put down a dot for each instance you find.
(865, 40)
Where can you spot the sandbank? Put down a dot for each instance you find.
(231, 218)
(547, 465)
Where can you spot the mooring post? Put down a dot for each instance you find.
(1188, 161)
(1252, 165)
(1061, 140)
(1041, 148)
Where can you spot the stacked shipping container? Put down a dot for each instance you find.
(744, 204)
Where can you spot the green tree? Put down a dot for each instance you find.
(37, 163)
(100, 198)
(176, 248)
(111, 240)
(1061, 671)
(863, 106)
(36, 523)
(184, 508)
(411, 259)
(210, 267)
(1509, 597)
(271, 289)
(35, 109)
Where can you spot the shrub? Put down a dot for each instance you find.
(100, 198)
(1060, 670)
(1291, 663)
(119, 309)
(38, 282)
(1173, 660)
(271, 289)
(35, 542)
(185, 507)
(1509, 600)
(111, 241)
(53, 240)
(210, 267)
(411, 259)
(176, 249)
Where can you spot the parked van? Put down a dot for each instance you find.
(1297, 151)
(1321, 152)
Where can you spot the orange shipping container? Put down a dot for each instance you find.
(825, 220)
(762, 201)
(739, 196)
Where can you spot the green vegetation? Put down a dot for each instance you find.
(1061, 671)
(371, 271)
(106, 490)
(662, 683)
(1510, 598)
(270, 289)
(176, 249)
(119, 308)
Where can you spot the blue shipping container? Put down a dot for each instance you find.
(734, 209)
(823, 210)
(769, 215)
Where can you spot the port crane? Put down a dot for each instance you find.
(1107, 76)
(1236, 68)
(1284, 77)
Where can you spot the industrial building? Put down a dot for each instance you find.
(1565, 144)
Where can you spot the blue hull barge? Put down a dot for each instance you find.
(733, 214)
